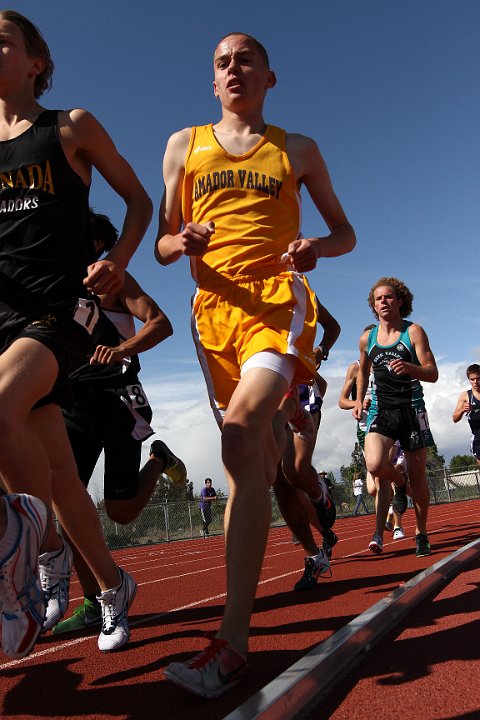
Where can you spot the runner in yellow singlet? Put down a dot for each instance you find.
(232, 205)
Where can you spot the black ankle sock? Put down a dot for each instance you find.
(328, 535)
(92, 598)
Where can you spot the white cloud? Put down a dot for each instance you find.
(183, 419)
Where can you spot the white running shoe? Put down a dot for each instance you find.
(115, 604)
(22, 602)
(55, 570)
(376, 544)
(210, 673)
(399, 533)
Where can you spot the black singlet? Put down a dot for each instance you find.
(473, 416)
(117, 375)
(45, 235)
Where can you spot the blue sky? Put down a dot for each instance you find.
(390, 92)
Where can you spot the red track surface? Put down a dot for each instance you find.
(181, 593)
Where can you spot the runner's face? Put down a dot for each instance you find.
(17, 67)
(241, 76)
(475, 380)
(386, 302)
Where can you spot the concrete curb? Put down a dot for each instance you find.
(316, 673)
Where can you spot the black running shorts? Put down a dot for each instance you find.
(407, 425)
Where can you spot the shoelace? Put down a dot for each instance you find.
(29, 598)
(109, 614)
(30, 594)
(206, 656)
(50, 576)
(322, 569)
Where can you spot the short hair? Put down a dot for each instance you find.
(258, 45)
(36, 47)
(208, 480)
(401, 291)
(475, 368)
(103, 229)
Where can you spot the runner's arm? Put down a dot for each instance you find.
(463, 406)
(311, 171)
(87, 144)
(427, 370)
(331, 331)
(363, 374)
(345, 401)
(172, 242)
(155, 328)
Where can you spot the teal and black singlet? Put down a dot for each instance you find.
(389, 389)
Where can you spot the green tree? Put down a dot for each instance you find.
(458, 463)
(356, 466)
(435, 462)
(167, 490)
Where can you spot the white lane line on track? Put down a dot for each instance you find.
(337, 559)
(354, 531)
(135, 623)
(78, 641)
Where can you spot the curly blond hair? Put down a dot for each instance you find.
(401, 291)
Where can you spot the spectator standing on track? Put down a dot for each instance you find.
(48, 269)
(358, 486)
(399, 354)
(297, 483)
(108, 410)
(469, 405)
(233, 186)
(208, 495)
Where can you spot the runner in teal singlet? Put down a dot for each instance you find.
(400, 356)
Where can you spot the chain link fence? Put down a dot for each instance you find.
(164, 522)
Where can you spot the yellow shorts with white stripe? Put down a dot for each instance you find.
(233, 320)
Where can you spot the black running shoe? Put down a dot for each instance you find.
(423, 545)
(314, 566)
